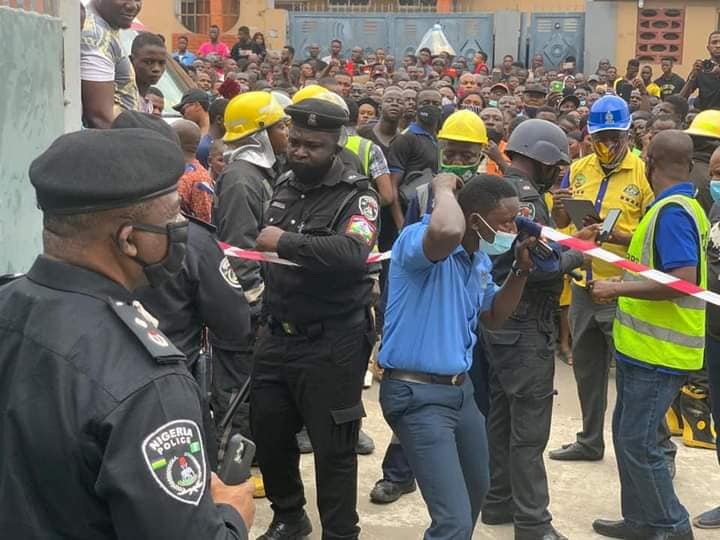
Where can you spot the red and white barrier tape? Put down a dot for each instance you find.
(594, 251)
(589, 248)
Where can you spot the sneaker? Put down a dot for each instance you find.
(365, 444)
(386, 492)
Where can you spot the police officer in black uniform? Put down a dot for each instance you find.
(521, 359)
(205, 294)
(101, 419)
(312, 353)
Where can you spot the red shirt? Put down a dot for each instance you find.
(219, 48)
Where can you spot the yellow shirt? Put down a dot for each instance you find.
(627, 189)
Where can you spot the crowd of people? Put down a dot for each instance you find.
(155, 345)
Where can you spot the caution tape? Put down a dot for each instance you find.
(272, 257)
(596, 252)
(571, 242)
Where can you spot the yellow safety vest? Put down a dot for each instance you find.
(360, 146)
(668, 333)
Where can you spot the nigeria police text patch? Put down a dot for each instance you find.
(174, 455)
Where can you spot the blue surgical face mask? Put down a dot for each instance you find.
(502, 243)
(715, 190)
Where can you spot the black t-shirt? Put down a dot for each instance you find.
(368, 131)
(670, 85)
(709, 91)
(414, 150)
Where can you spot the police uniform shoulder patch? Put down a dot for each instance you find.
(369, 207)
(156, 343)
(175, 457)
(527, 210)
(229, 274)
(362, 228)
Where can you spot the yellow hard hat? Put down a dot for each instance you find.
(249, 113)
(706, 124)
(464, 126)
(310, 91)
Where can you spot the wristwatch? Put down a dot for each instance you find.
(519, 272)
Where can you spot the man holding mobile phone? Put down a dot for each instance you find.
(610, 177)
(705, 77)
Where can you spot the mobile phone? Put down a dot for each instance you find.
(609, 224)
(541, 250)
(236, 463)
(556, 86)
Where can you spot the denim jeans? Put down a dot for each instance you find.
(443, 435)
(648, 498)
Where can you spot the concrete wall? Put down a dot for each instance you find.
(161, 16)
(601, 21)
(31, 117)
(529, 6)
(701, 18)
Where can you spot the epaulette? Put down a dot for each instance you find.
(204, 224)
(284, 177)
(360, 181)
(7, 278)
(140, 324)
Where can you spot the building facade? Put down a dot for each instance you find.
(586, 29)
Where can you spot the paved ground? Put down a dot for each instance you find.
(580, 492)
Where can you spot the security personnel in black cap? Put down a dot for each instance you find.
(312, 354)
(521, 359)
(100, 422)
(206, 293)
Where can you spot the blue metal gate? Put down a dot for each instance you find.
(397, 33)
(557, 36)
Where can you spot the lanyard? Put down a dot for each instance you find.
(598, 205)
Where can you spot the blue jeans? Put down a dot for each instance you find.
(648, 498)
(443, 435)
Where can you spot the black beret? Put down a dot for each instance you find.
(135, 119)
(92, 170)
(317, 114)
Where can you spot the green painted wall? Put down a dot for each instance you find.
(31, 117)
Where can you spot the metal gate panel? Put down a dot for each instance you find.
(398, 33)
(367, 31)
(557, 36)
(466, 32)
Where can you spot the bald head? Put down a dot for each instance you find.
(714, 166)
(669, 158)
(189, 134)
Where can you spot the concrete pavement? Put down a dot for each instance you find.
(580, 492)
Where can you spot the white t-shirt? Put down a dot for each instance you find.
(102, 59)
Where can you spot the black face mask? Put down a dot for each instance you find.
(308, 174)
(429, 114)
(546, 176)
(167, 268)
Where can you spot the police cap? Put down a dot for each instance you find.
(135, 119)
(92, 170)
(318, 115)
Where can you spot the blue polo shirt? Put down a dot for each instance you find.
(432, 310)
(677, 245)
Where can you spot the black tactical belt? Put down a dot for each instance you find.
(424, 378)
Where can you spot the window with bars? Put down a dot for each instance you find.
(195, 15)
(660, 34)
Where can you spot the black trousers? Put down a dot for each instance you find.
(521, 395)
(317, 383)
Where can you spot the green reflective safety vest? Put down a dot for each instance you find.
(667, 333)
(360, 146)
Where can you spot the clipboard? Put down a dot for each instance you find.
(579, 209)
